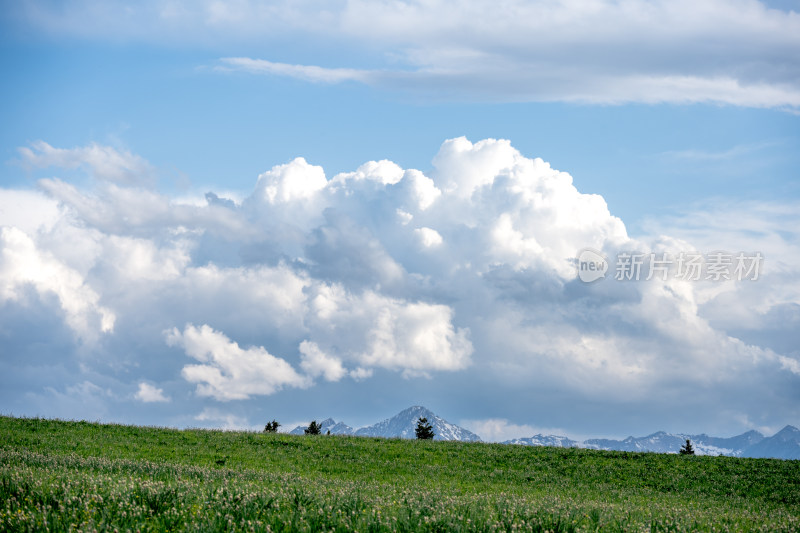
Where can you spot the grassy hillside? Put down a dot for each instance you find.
(76, 475)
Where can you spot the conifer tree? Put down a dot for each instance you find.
(424, 429)
(687, 449)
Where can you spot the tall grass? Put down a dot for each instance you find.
(62, 476)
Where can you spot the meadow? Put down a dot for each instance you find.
(81, 476)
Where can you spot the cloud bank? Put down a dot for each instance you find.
(740, 53)
(380, 279)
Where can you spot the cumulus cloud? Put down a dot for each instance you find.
(372, 279)
(140, 211)
(28, 211)
(384, 332)
(22, 263)
(150, 394)
(429, 238)
(293, 181)
(318, 363)
(384, 172)
(764, 312)
(228, 372)
(415, 337)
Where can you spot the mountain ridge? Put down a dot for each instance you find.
(402, 425)
(784, 444)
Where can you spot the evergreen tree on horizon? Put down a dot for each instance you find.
(424, 430)
(313, 428)
(687, 449)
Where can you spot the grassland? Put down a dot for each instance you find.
(62, 476)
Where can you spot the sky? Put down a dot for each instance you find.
(215, 214)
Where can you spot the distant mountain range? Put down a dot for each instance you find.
(545, 440)
(662, 442)
(402, 425)
(783, 445)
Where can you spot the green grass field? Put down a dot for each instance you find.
(61, 476)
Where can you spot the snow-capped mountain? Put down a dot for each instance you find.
(783, 445)
(402, 425)
(662, 442)
(545, 440)
(329, 424)
(735, 446)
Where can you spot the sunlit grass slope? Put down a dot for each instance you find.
(83, 476)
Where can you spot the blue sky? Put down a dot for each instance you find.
(320, 287)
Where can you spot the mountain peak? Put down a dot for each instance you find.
(784, 444)
(329, 424)
(416, 409)
(788, 433)
(545, 440)
(404, 424)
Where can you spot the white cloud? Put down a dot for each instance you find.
(137, 211)
(463, 167)
(462, 275)
(379, 331)
(142, 259)
(763, 312)
(416, 338)
(384, 172)
(683, 89)
(102, 162)
(260, 296)
(293, 181)
(304, 72)
(361, 373)
(21, 263)
(525, 213)
(607, 53)
(228, 372)
(732, 52)
(317, 363)
(428, 237)
(501, 429)
(150, 394)
(29, 211)
(421, 189)
(223, 420)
